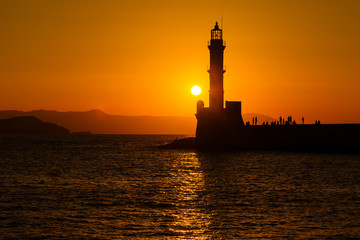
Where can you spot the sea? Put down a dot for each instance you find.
(125, 187)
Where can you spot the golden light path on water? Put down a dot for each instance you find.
(189, 184)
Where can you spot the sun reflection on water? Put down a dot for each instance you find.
(191, 218)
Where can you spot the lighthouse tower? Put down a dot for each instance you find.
(216, 123)
(216, 71)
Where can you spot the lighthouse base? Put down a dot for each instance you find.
(215, 126)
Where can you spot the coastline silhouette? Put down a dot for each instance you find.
(30, 125)
(99, 122)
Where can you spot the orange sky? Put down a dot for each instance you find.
(139, 57)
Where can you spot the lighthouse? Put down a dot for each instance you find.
(216, 122)
(216, 71)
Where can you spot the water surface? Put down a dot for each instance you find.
(121, 187)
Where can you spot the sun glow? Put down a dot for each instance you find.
(195, 90)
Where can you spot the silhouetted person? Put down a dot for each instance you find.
(302, 119)
(255, 120)
(280, 118)
(290, 119)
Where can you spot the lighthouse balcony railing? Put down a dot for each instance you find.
(208, 69)
(209, 43)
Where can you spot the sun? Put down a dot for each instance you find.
(195, 90)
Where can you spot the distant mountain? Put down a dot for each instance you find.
(29, 125)
(98, 122)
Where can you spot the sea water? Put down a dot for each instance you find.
(124, 187)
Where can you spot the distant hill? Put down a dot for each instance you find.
(29, 125)
(99, 122)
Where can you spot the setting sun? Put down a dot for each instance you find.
(195, 90)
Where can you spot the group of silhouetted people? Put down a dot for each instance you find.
(281, 121)
(254, 120)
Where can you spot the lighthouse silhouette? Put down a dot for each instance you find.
(216, 122)
(216, 71)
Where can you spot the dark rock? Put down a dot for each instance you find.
(30, 125)
(181, 143)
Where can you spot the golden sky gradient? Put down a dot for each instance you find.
(140, 57)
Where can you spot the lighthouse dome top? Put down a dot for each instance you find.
(216, 33)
